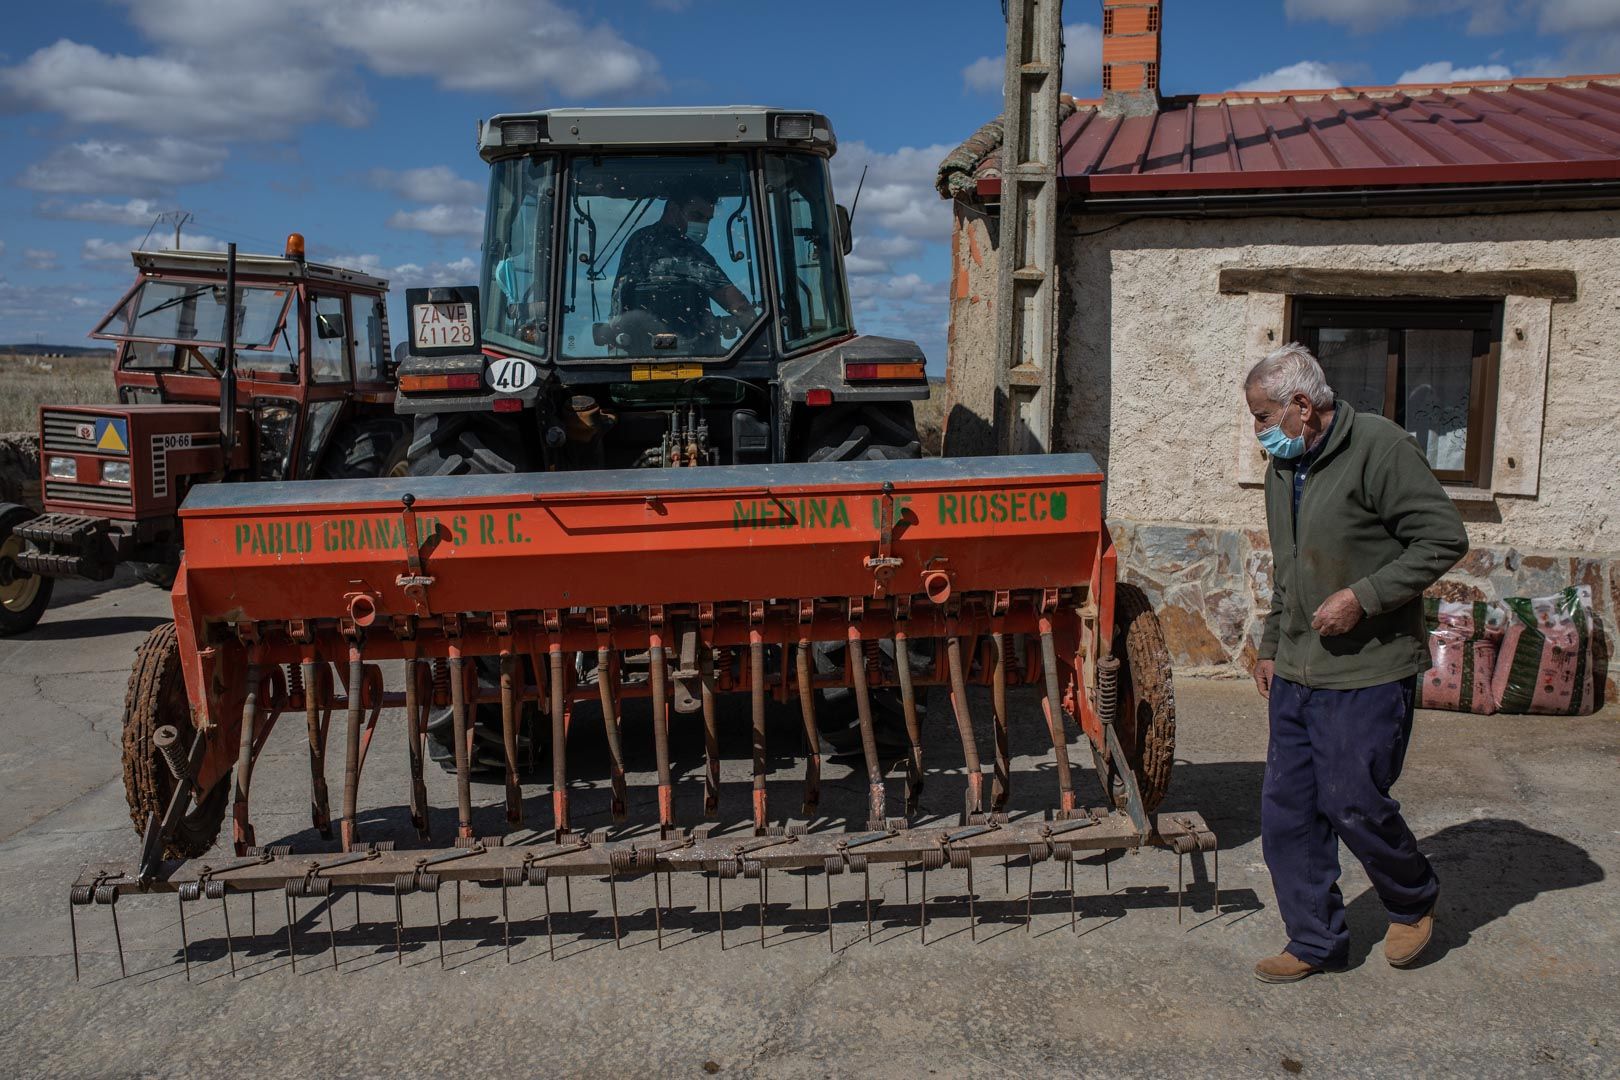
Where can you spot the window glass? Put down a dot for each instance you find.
(661, 257)
(516, 289)
(1356, 362)
(281, 359)
(1439, 377)
(370, 339)
(195, 312)
(810, 290)
(328, 336)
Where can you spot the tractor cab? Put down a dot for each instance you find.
(303, 361)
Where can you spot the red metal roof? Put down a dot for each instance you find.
(1465, 133)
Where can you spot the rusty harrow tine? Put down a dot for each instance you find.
(764, 899)
(973, 919)
(830, 946)
(438, 924)
(459, 728)
(964, 725)
(659, 674)
(866, 890)
(908, 706)
(613, 892)
(605, 681)
(414, 707)
(812, 737)
(559, 736)
(658, 912)
(230, 945)
(243, 826)
(399, 927)
(1053, 706)
(720, 908)
(331, 928)
(320, 811)
(509, 736)
(711, 732)
(1215, 856)
(73, 932)
(185, 946)
(292, 915)
(875, 796)
(1029, 896)
(1181, 863)
(1002, 784)
(756, 687)
(351, 758)
(551, 942)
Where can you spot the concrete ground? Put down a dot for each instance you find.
(1519, 814)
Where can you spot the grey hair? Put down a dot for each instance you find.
(1288, 371)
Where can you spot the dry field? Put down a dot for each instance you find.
(27, 382)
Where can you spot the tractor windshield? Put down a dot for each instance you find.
(193, 313)
(516, 289)
(802, 222)
(662, 257)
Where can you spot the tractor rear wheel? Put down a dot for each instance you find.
(157, 696)
(366, 449)
(23, 596)
(161, 574)
(1147, 697)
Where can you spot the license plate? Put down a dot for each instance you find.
(433, 326)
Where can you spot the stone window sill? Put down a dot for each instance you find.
(1469, 494)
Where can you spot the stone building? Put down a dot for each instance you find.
(1452, 253)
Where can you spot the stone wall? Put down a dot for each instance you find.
(1212, 586)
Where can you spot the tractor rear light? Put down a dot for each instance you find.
(818, 397)
(508, 404)
(62, 468)
(415, 384)
(908, 371)
(115, 472)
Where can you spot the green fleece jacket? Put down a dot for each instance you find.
(1372, 519)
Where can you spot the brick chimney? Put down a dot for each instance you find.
(1130, 74)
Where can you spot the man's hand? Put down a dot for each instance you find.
(1264, 671)
(1338, 614)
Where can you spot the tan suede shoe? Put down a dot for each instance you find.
(1285, 967)
(1405, 942)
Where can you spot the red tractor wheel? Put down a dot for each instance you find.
(157, 696)
(1147, 699)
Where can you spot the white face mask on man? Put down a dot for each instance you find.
(697, 231)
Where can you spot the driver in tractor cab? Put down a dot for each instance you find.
(667, 278)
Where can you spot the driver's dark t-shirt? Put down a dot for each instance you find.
(669, 276)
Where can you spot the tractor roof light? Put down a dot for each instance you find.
(295, 246)
(522, 132)
(795, 127)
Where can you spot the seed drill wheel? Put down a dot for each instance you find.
(1147, 697)
(157, 696)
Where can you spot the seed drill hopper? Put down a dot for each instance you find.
(359, 610)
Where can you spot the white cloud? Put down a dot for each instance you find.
(1444, 71)
(1305, 75)
(129, 212)
(1577, 16)
(433, 184)
(1082, 64)
(899, 195)
(408, 275)
(440, 220)
(235, 94)
(38, 258)
(98, 165)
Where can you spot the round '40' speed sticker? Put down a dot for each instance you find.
(510, 374)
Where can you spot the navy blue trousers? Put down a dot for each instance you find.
(1333, 757)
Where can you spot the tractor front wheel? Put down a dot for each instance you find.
(1147, 699)
(23, 596)
(157, 696)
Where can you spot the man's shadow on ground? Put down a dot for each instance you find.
(1487, 868)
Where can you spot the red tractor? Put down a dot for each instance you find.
(305, 364)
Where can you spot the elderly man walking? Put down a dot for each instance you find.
(1359, 528)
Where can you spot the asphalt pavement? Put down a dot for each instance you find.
(1520, 815)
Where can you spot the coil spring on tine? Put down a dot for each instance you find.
(857, 864)
(597, 836)
(512, 877)
(106, 894)
(382, 845)
(404, 883)
(961, 857)
(834, 865)
(1063, 852)
(214, 889)
(751, 869)
(81, 895)
(933, 859)
(646, 859)
(427, 881)
(1039, 853)
(727, 868)
(295, 679)
(191, 890)
(539, 875)
(1108, 687)
(440, 669)
(622, 860)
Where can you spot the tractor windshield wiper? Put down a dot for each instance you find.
(182, 298)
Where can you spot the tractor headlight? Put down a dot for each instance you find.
(115, 472)
(62, 468)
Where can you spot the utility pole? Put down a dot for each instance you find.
(1026, 316)
(178, 217)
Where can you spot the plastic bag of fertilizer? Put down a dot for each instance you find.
(1463, 643)
(1546, 662)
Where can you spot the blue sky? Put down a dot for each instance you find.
(352, 120)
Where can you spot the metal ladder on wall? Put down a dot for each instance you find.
(1026, 315)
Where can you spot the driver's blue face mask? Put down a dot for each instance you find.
(1279, 445)
(697, 231)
